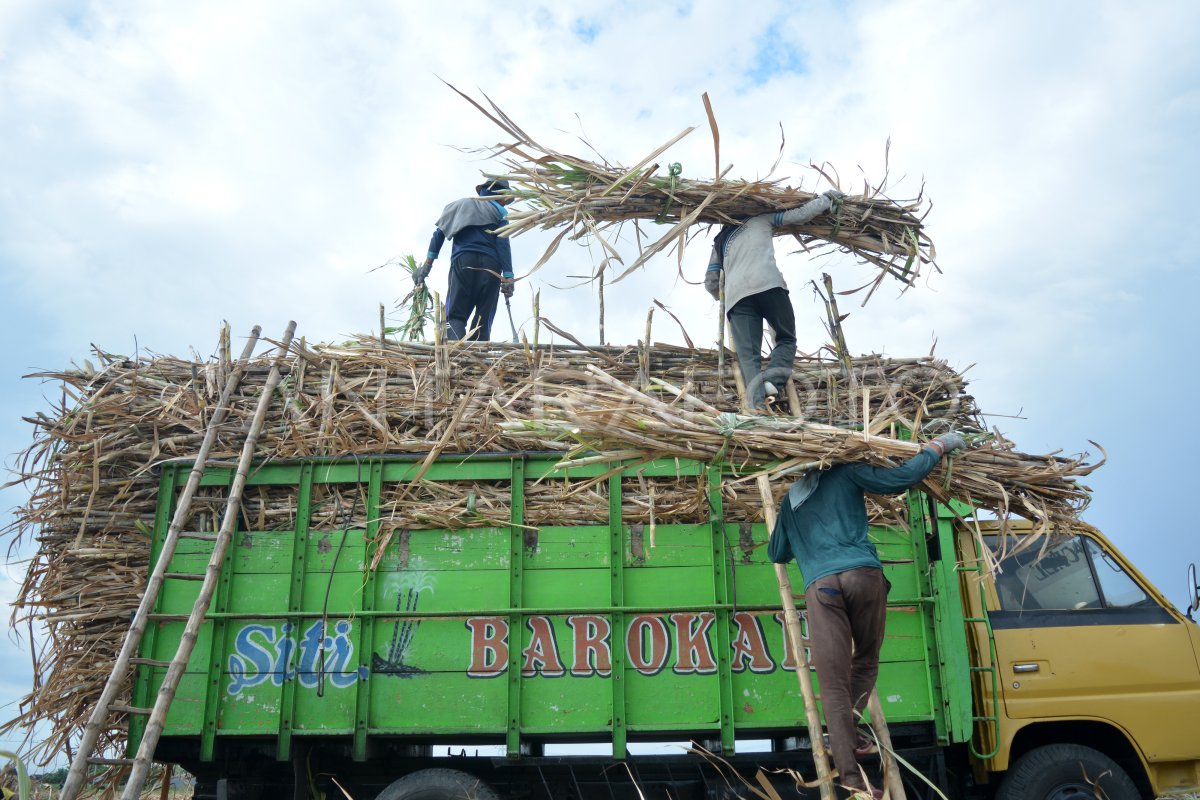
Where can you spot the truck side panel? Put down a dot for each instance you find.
(684, 614)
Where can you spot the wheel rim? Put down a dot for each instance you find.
(1072, 791)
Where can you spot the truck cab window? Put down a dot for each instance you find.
(1118, 588)
(1057, 577)
(1068, 573)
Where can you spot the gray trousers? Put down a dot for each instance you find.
(746, 318)
(846, 614)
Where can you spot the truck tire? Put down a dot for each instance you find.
(438, 784)
(1066, 772)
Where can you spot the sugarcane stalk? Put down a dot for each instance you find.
(537, 317)
(891, 771)
(836, 332)
(600, 277)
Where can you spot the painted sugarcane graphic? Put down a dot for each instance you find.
(403, 631)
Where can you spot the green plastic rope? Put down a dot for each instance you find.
(728, 423)
(673, 173)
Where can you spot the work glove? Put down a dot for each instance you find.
(949, 443)
(834, 196)
(712, 283)
(507, 284)
(422, 272)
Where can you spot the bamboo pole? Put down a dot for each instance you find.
(166, 691)
(791, 620)
(77, 774)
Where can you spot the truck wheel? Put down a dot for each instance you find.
(1066, 772)
(438, 784)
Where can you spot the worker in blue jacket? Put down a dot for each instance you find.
(480, 263)
(822, 523)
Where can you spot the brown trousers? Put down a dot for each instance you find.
(846, 614)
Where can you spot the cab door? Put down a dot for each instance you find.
(1077, 636)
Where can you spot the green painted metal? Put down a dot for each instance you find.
(217, 641)
(950, 630)
(364, 644)
(722, 552)
(919, 530)
(287, 703)
(516, 597)
(518, 635)
(616, 560)
(988, 716)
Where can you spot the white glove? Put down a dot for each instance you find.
(712, 283)
(949, 443)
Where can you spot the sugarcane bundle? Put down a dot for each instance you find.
(581, 197)
(416, 306)
(457, 505)
(617, 417)
(91, 469)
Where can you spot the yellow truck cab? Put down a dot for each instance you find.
(1083, 668)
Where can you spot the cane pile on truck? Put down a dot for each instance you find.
(332, 559)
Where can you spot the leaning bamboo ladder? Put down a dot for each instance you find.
(891, 776)
(891, 772)
(140, 765)
(791, 617)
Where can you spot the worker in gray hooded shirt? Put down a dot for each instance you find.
(755, 291)
(480, 262)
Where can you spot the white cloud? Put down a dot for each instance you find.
(168, 166)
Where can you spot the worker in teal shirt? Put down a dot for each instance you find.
(822, 523)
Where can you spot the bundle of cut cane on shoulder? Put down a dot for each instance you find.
(587, 198)
(614, 417)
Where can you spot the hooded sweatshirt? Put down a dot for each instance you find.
(469, 222)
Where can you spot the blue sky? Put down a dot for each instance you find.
(169, 166)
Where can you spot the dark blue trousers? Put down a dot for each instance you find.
(474, 287)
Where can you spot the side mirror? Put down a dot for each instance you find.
(1193, 590)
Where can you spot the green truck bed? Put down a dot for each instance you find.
(346, 626)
